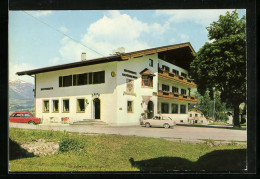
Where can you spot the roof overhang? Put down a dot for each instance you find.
(179, 54)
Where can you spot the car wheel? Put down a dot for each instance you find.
(31, 122)
(147, 124)
(166, 126)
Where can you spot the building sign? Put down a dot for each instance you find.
(131, 76)
(50, 88)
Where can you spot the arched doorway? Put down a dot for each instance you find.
(150, 108)
(96, 109)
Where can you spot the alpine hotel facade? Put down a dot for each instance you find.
(117, 89)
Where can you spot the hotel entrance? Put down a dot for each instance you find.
(96, 109)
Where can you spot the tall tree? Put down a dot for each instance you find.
(205, 104)
(221, 63)
(219, 108)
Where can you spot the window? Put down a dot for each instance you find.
(201, 115)
(129, 85)
(81, 105)
(184, 75)
(183, 91)
(181, 121)
(66, 105)
(25, 115)
(46, 106)
(90, 78)
(150, 62)
(175, 90)
(130, 106)
(166, 68)
(165, 108)
(175, 71)
(196, 115)
(183, 109)
(80, 79)
(55, 104)
(67, 81)
(16, 115)
(174, 108)
(165, 87)
(190, 115)
(99, 77)
(147, 81)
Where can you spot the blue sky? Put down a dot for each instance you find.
(36, 38)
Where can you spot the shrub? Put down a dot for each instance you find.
(71, 143)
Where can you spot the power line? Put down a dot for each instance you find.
(62, 33)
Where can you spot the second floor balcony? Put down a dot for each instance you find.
(176, 78)
(177, 96)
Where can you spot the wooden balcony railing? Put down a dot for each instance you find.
(176, 78)
(177, 96)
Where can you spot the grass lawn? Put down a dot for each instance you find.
(121, 153)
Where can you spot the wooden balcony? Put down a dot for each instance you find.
(176, 78)
(177, 96)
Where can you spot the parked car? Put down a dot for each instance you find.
(24, 117)
(159, 121)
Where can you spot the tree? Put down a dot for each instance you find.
(219, 108)
(221, 63)
(205, 104)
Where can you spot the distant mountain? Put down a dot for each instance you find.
(19, 89)
(21, 97)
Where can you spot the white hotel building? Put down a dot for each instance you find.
(117, 89)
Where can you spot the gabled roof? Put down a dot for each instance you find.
(162, 50)
(146, 71)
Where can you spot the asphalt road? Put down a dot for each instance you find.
(180, 133)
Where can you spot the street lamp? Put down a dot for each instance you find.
(213, 103)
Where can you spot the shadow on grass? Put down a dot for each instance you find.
(17, 152)
(218, 160)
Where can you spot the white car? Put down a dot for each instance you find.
(159, 121)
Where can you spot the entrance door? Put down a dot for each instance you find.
(96, 104)
(150, 109)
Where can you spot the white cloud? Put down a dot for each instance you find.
(40, 13)
(184, 37)
(202, 17)
(63, 30)
(54, 61)
(112, 31)
(172, 40)
(14, 68)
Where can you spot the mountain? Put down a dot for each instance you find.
(21, 96)
(19, 89)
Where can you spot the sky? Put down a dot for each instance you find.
(45, 38)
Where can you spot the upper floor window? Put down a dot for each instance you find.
(166, 68)
(165, 87)
(175, 71)
(82, 79)
(147, 81)
(196, 115)
(150, 62)
(183, 91)
(129, 85)
(175, 90)
(184, 74)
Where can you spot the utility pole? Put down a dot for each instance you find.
(214, 103)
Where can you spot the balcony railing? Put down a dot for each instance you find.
(176, 78)
(177, 96)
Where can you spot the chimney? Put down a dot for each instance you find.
(83, 56)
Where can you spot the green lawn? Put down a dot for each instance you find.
(121, 153)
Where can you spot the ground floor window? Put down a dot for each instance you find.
(55, 105)
(80, 105)
(46, 106)
(175, 108)
(165, 108)
(183, 109)
(130, 106)
(66, 105)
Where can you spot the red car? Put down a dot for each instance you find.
(24, 117)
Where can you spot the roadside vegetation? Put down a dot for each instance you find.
(94, 152)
